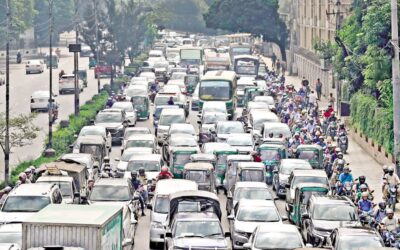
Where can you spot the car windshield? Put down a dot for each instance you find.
(11, 237)
(252, 175)
(110, 193)
(128, 133)
(278, 240)
(247, 68)
(65, 187)
(181, 141)
(167, 120)
(214, 118)
(333, 212)
(196, 176)
(308, 155)
(94, 150)
(354, 243)
(309, 179)
(230, 128)
(149, 166)
(140, 144)
(124, 106)
(288, 168)
(258, 214)
(161, 205)
(240, 141)
(181, 159)
(25, 203)
(109, 117)
(182, 130)
(198, 228)
(85, 132)
(253, 194)
(215, 90)
(270, 155)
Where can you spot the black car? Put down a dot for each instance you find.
(325, 213)
(354, 238)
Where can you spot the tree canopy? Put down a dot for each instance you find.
(258, 17)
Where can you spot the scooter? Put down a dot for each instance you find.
(392, 199)
(343, 143)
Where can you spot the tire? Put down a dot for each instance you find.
(153, 245)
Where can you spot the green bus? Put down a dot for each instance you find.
(219, 86)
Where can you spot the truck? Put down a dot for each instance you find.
(91, 227)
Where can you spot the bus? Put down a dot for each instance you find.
(192, 56)
(216, 61)
(246, 65)
(219, 86)
(238, 49)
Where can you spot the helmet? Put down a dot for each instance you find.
(389, 211)
(296, 134)
(340, 154)
(346, 168)
(364, 194)
(28, 171)
(363, 186)
(141, 171)
(385, 167)
(362, 179)
(340, 162)
(382, 205)
(32, 168)
(164, 169)
(133, 173)
(22, 176)
(391, 168)
(337, 150)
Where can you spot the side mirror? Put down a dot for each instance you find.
(305, 216)
(125, 123)
(246, 245)
(71, 146)
(199, 115)
(231, 217)
(274, 171)
(199, 122)
(75, 136)
(284, 218)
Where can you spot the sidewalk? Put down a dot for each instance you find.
(361, 163)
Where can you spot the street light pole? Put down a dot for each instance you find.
(76, 67)
(97, 42)
(50, 144)
(396, 84)
(7, 135)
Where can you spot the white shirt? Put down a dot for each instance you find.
(312, 98)
(390, 224)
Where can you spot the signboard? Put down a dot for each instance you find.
(74, 48)
(112, 234)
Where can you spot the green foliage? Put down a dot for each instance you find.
(371, 120)
(325, 50)
(258, 17)
(63, 137)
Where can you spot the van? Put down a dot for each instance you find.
(160, 206)
(167, 117)
(40, 101)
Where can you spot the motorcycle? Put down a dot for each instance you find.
(345, 189)
(152, 96)
(367, 219)
(392, 199)
(391, 239)
(343, 143)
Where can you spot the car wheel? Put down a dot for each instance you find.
(153, 245)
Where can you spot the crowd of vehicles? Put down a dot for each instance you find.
(258, 141)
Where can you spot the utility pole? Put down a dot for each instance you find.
(76, 67)
(396, 84)
(97, 42)
(7, 135)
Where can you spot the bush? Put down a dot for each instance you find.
(63, 137)
(373, 121)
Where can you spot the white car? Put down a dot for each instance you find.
(34, 66)
(40, 100)
(178, 78)
(67, 84)
(97, 130)
(130, 112)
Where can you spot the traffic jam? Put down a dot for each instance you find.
(214, 150)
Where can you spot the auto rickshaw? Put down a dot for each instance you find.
(191, 82)
(92, 62)
(312, 153)
(178, 161)
(54, 61)
(271, 155)
(142, 105)
(302, 194)
(230, 174)
(250, 93)
(222, 154)
(207, 158)
(201, 173)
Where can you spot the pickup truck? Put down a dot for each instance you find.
(67, 84)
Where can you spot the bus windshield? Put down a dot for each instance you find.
(215, 91)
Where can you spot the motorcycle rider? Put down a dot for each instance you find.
(344, 177)
(390, 179)
(365, 205)
(363, 189)
(380, 212)
(164, 174)
(256, 156)
(341, 129)
(154, 88)
(385, 171)
(321, 142)
(110, 102)
(4, 194)
(22, 179)
(138, 186)
(361, 181)
(296, 140)
(390, 223)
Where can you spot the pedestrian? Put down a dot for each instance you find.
(312, 98)
(273, 57)
(318, 89)
(283, 67)
(278, 67)
(331, 100)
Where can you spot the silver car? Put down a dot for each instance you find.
(130, 112)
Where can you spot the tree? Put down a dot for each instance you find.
(22, 130)
(258, 17)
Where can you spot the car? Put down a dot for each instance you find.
(40, 101)
(247, 190)
(26, 199)
(196, 231)
(140, 141)
(127, 155)
(69, 192)
(157, 112)
(66, 84)
(168, 117)
(242, 142)
(266, 99)
(256, 119)
(118, 191)
(277, 129)
(85, 159)
(97, 130)
(130, 112)
(114, 120)
(214, 106)
(34, 66)
(11, 234)
(283, 171)
(247, 215)
(160, 206)
(325, 213)
(282, 237)
(151, 163)
(224, 129)
(182, 128)
(150, 76)
(134, 131)
(354, 238)
(176, 142)
(178, 78)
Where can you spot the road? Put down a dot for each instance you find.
(21, 88)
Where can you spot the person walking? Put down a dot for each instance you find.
(273, 58)
(318, 89)
(278, 67)
(331, 100)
